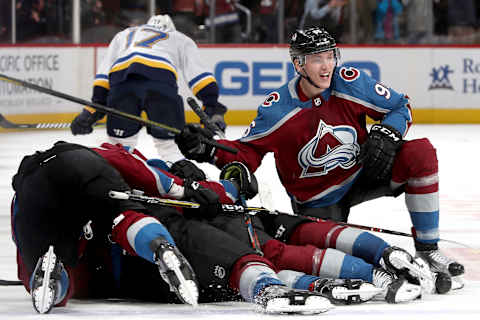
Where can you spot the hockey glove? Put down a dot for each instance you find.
(82, 124)
(216, 113)
(378, 153)
(191, 143)
(187, 170)
(239, 174)
(209, 201)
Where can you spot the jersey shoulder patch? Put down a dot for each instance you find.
(271, 99)
(349, 74)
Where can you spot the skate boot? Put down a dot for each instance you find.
(395, 290)
(281, 299)
(439, 263)
(345, 291)
(49, 282)
(401, 263)
(175, 270)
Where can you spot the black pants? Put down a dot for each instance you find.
(57, 192)
(360, 192)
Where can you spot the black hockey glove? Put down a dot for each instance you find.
(209, 201)
(187, 170)
(82, 124)
(378, 153)
(191, 143)
(239, 174)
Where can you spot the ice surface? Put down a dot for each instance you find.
(458, 151)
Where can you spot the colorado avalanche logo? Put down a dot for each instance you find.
(272, 97)
(349, 73)
(342, 154)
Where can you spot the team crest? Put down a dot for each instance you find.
(349, 74)
(332, 147)
(272, 97)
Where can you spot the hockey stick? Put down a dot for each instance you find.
(108, 110)
(233, 208)
(204, 118)
(10, 282)
(6, 124)
(192, 205)
(152, 200)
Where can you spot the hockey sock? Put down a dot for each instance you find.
(255, 277)
(297, 280)
(134, 231)
(352, 241)
(247, 278)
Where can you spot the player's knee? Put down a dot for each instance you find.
(416, 158)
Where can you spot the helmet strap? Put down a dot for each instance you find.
(308, 78)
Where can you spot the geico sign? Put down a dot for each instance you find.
(236, 78)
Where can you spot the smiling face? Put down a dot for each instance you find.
(319, 67)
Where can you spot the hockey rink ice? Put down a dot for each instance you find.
(458, 150)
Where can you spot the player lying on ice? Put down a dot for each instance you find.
(62, 218)
(327, 160)
(137, 171)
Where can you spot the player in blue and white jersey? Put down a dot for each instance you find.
(140, 72)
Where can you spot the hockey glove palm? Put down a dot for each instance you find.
(191, 142)
(219, 121)
(239, 174)
(82, 124)
(209, 201)
(216, 113)
(378, 153)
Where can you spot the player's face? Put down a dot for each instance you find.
(319, 67)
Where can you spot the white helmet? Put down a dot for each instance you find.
(162, 22)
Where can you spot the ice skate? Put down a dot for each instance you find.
(281, 299)
(345, 291)
(175, 270)
(439, 263)
(48, 287)
(395, 290)
(401, 263)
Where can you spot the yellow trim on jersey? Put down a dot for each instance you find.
(202, 84)
(137, 59)
(102, 83)
(90, 109)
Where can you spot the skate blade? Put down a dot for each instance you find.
(43, 297)
(187, 290)
(313, 305)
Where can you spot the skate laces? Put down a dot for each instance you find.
(439, 258)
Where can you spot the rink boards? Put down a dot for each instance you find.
(442, 82)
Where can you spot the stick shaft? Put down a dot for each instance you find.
(233, 208)
(99, 107)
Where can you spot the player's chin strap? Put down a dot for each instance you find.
(308, 78)
(233, 208)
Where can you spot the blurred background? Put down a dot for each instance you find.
(245, 21)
